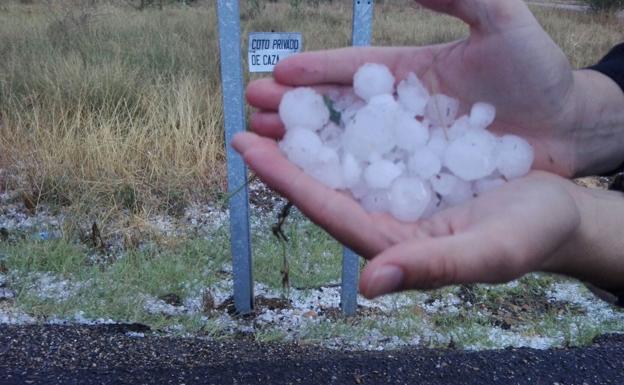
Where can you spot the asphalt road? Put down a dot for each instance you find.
(54, 354)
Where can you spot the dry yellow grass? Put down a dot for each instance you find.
(107, 107)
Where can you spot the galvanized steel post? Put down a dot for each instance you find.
(363, 11)
(234, 119)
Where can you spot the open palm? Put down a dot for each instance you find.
(494, 238)
(507, 60)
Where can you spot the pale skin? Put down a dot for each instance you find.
(541, 222)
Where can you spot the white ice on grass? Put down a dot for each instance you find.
(304, 108)
(405, 152)
(373, 79)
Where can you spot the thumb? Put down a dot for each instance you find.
(435, 262)
(482, 15)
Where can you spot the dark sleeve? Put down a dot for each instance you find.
(612, 65)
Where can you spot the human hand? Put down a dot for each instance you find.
(508, 60)
(524, 226)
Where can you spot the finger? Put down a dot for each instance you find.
(339, 215)
(435, 262)
(267, 124)
(481, 15)
(266, 94)
(338, 66)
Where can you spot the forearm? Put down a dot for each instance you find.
(598, 130)
(595, 253)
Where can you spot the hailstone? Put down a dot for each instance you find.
(403, 152)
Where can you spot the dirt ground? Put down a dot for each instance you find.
(124, 354)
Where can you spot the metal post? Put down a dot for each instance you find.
(363, 11)
(234, 118)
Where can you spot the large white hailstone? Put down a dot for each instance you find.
(409, 197)
(373, 79)
(303, 108)
(351, 170)
(444, 183)
(376, 201)
(385, 106)
(484, 185)
(459, 128)
(472, 156)
(409, 133)
(368, 133)
(482, 115)
(424, 163)
(301, 146)
(441, 110)
(515, 156)
(331, 135)
(438, 142)
(326, 168)
(380, 174)
(413, 95)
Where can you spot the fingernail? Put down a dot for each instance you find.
(385, 279)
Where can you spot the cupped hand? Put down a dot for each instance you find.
(496, 237)
(507, 60)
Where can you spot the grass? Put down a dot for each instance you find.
(104, 108)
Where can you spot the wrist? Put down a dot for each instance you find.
(595, 124)
(594, 251)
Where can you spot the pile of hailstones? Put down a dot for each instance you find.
(403, 151)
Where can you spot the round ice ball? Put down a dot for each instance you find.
(514, 156)
(301, 146)
(424, 163)
(444, 183)
(368, 133)
(441, 110)
(351, 170)
(413, 95)
(482, 115)
(380, 174)
(459, 128)
(373, 79)
(409, 133)
(376, 201)
(472, 156)
(438, 142)
(409, 197)
(303, 108)
(326, 168)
